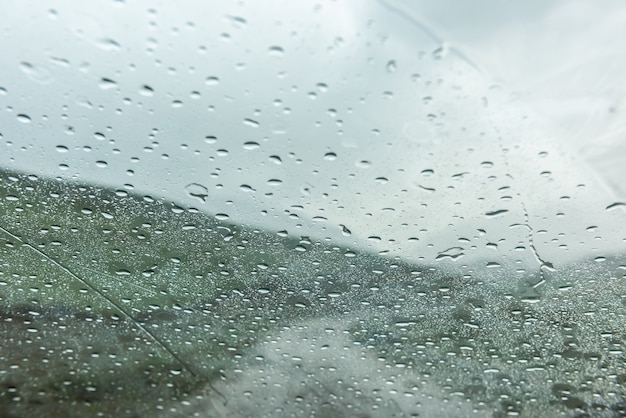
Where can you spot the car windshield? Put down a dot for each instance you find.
(357, 208)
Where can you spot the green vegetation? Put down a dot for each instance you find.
(121, 304)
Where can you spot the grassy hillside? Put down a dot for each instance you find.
(123, 305)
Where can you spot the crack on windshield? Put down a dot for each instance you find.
(119, 279)
(100, 293)
(543, 264)
(404, 11)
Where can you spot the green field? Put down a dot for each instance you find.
(118, 304)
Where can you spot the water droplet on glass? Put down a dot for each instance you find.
(146, 90)
(345, 231)
(330, 156)
(251, 145)
(453, 253)
(107, 84)
(23, 118)
(198, 191)
(36, 73)
(322, 87)
(496, 212)
(276, 51)
(251, 123)
(109, 45)
(238, 22)
(441, 52)
(212, 81)
(101, 164)
(274, 182)
(616, 205)
(391, 66)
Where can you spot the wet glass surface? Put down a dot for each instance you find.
(304, 209)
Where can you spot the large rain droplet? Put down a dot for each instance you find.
(198, 191)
